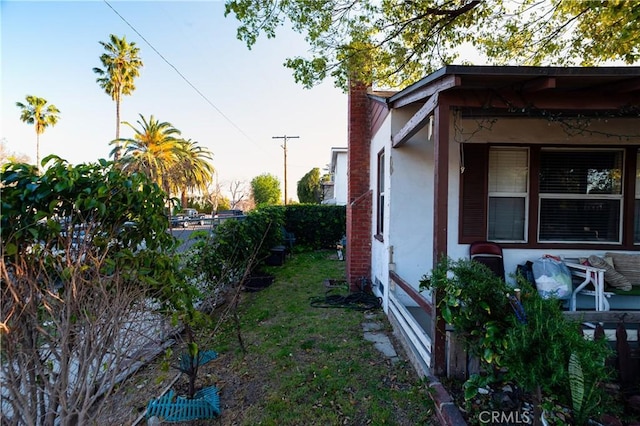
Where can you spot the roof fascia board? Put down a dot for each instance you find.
(532, 71)
(420, 94)
(585, 101)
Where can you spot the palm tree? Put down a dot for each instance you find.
(173, 163)
(152, 150)
(37, 112)
(121, 66)
(193, 169)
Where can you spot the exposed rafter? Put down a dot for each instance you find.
(416, 123)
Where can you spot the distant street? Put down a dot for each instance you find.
(184, 234)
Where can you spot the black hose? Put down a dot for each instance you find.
(359, 301)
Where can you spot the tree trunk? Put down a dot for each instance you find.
(116, 153)
(183, 199)
(38, 151)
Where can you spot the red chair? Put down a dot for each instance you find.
(489, 254)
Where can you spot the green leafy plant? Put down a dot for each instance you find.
(576, 382)
(474, 301)
(539, 353)
(237, 246)
(85, 255)
(316, 226)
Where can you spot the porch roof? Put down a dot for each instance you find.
(624, 81)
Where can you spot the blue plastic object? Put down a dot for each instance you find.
(203, 358)
(205, 404)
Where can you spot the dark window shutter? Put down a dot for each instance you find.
(473, 193)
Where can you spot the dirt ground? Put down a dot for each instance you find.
(236, 390)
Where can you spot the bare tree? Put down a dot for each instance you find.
(239, 192)
(213, 195)
(66, 346)
(6, 155)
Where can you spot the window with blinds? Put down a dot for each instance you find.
(580, 195)
(636, 219)
(508, 194)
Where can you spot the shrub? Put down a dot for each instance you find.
(474, 301)
(85, 255)
(539, 352)
(316, 226)
(530, 342)
(237, 246)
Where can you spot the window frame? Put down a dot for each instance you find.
(380, 194)
(473, 197)
(510, 194)
(586, 197)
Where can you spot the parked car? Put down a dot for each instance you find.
(193, 216)
(179, 221)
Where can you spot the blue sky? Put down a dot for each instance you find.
(48, 49)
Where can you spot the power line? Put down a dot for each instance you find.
(284, 147)
(180, 74)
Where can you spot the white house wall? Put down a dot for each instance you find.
(409, 230)
(379, 249)
(340, 179)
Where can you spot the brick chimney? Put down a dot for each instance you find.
(358, 193)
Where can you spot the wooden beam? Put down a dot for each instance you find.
(603, 316)
(574, 101)
(412, 292)
(415, 123)
(540, 83)
(442, 118)
(624, 86)
(427, 91)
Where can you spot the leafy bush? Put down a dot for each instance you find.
(539, 352)
(120, 217)
(530, 342)
(85, 256)
(316, 226)
(474, 301)
(238, 246)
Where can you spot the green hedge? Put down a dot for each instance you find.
(225, 256)
(239, 244)
(316, 226)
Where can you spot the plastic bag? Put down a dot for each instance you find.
(553, 278)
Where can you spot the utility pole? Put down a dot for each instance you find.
(284, 147)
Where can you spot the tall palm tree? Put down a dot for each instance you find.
(37, 112)
(173, 163)
(152, 150)
(121, 66)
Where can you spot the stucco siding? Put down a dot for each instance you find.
(379, 249)
(410, 230)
